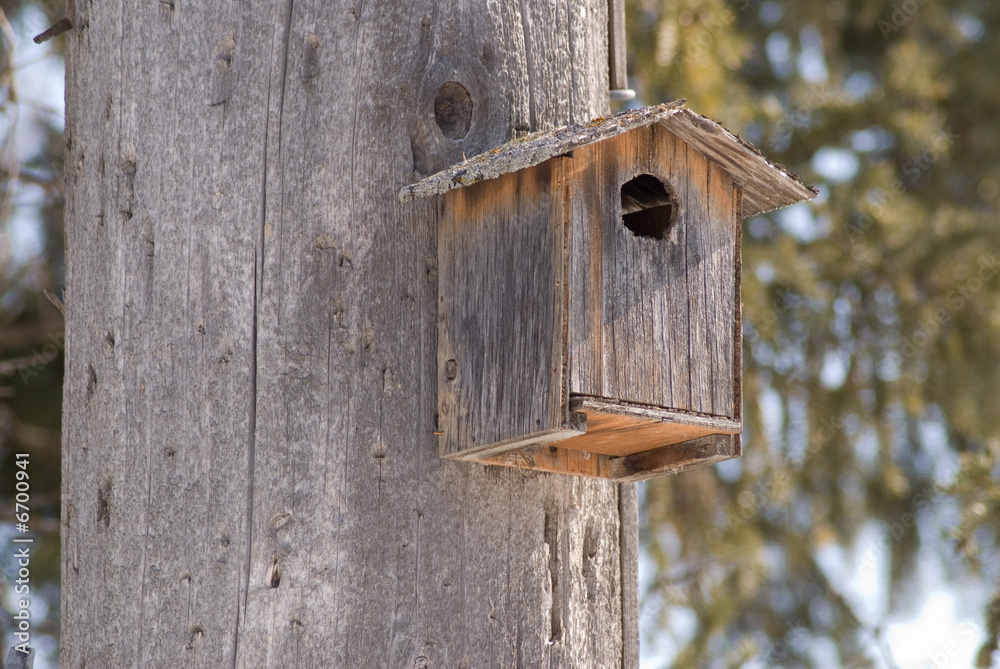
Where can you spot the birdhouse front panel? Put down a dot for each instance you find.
(654, 308)
(589, 309)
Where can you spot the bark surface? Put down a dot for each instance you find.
(251, 477)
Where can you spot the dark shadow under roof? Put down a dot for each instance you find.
(766, 185)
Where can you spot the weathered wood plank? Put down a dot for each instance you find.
(585, 318)
(622, 428)
(719, 287)
(675, 458)
(624, 435)
(676, 317)
(501, 347)
(628, 499)
(768, 185)
(738, 300)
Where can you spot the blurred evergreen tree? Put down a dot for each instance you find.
(31, 325)
(872, 332)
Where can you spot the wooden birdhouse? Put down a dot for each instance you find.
(589, 294)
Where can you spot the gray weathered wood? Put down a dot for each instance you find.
(766, 185)
(251, 477)
(628, 504)
(654, 321)
(501, 293)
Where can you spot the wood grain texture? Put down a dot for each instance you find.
(628, 500)
(250, 473)
(619, 429)
(767, 184)
(500, 351)
(651, 321)
(676, 458)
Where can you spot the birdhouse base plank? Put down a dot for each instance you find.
(636, 467)
(676, 458)
(621, 428)
(621, 441)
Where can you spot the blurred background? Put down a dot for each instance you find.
(31, 325)
(860, 527)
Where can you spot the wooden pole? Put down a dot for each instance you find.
(251, 477)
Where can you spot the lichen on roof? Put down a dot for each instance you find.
(766, 185)
(534, 149)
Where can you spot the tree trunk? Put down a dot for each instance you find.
(251, 475)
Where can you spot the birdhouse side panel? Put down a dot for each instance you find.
(501, 305)
(652, 307)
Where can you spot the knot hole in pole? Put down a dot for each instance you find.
(453, 110)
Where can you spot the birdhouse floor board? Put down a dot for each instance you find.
(676, 458)
(615, 434)
(588, 403)
(670, 459)
(620, 440)
(556, 460)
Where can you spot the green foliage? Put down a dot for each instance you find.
(872, 325)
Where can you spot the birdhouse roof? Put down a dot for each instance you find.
(766, 185)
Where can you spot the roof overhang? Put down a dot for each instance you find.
(766, 185)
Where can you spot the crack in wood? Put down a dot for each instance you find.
(551, 537)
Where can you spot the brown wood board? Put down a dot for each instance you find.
(668, 459)
(618, 435)
(652, 320)
(500, 347)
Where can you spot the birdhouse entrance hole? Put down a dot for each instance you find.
(648, 207)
